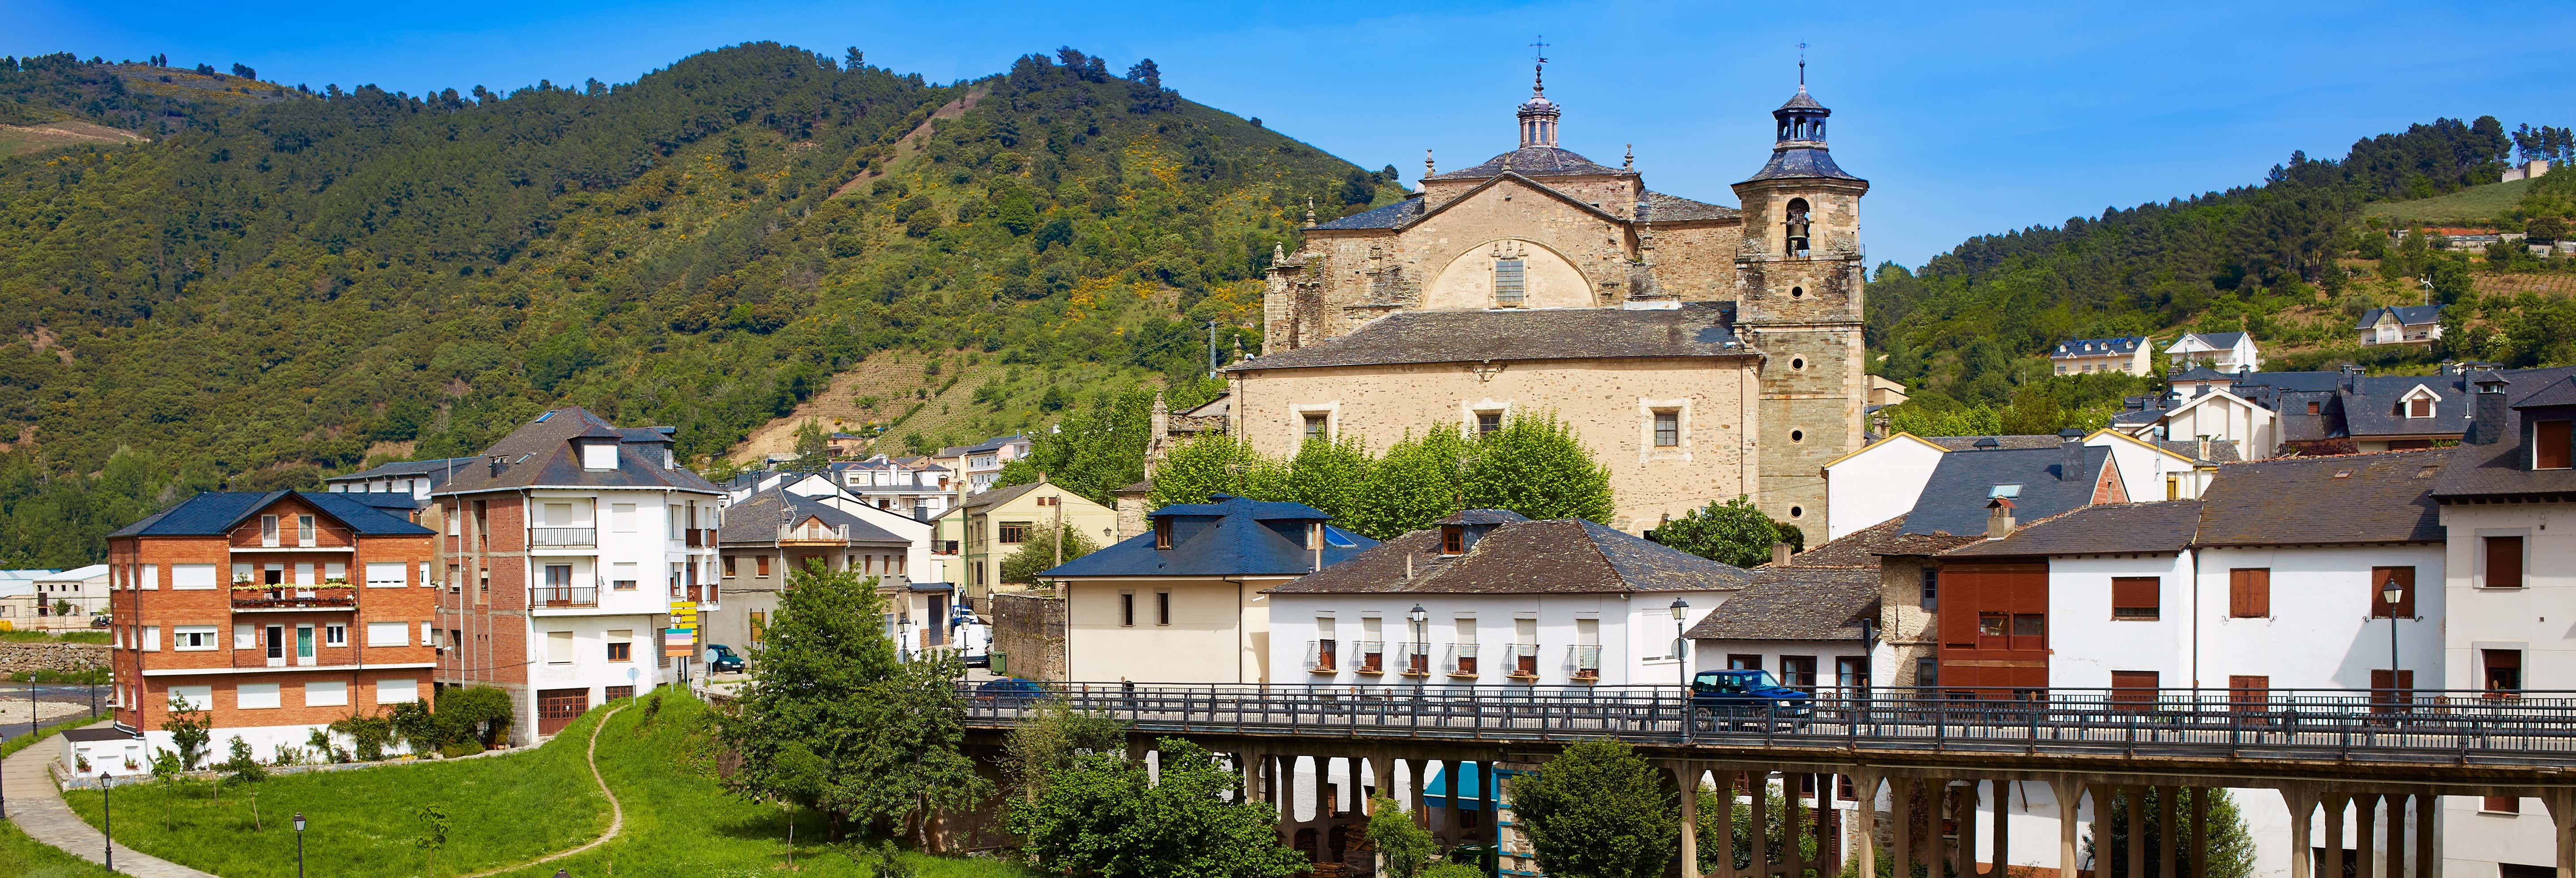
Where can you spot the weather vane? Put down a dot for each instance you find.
(1802, 63)
(1541, 47)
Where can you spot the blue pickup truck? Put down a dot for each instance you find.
(1740, 695)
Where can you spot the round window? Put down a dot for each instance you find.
(1797, 292)
(1797, 362)
(1797, 512)
(1797, 435)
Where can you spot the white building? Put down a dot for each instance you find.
(415, 477)
(1886, 478)
(1501, 600)
(83, 588)
(976, 466)
(2224, 351)
(2126, 355)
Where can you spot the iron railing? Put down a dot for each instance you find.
(563, 537)
(563, 596)
(1461, 661)
(2460, 727)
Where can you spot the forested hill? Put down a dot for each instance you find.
(287, 282)
(2291, 259)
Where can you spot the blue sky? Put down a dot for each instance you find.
(1967, 120)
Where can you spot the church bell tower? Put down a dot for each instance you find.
(1798, 291)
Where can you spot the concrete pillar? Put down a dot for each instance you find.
(1687, 773)
(2169, 832)
(1760, 784)
(2428, 849)
(2562, 822)
(1865, 833)
(1382, 772)
(2200, 832)
(1421, 780)
(1793, 824)
(2334, 805)
(1963, 810)
(2365, 823)
(2302, 805)
(1724, 789)
(2134, 800)
(2397, 835)
(2070, 797)
(2003, 826)
(1901, 803)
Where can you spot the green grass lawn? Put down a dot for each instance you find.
(2471, 205)
(502, 809)
(681, 821)
(72, 636)
(25, 857)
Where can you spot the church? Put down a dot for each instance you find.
(1700, 351)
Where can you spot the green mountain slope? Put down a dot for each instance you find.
(287, 286)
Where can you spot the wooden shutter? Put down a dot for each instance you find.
(2124, 681)
(2504, 562)
(2249, 691)
(2500, 804)
(2551, 445)
(2379, 607)
(1958, 609)
(2249, 592)
(2135, 597)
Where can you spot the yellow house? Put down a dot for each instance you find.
(974, 538)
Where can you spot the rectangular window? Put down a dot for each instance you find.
(1127, 609)
(1162, 608)
(2504, 562)
(2419, 407)
(1511, 283)
(621, 517)
(326, 694)
(1851, 672)
(195, 697)
(151, 638)
(559, 647)
(1014, 532)
(255, 696)
(2173, 487)
(1927, 672)
(1162, 533)
(268, 530)
(2133, 690)
(388, 634)
(193, 638)
(1453, 539)
(2313, 406)
(1668, 428)
(2552, 445)
(2136, 597)
(384, 574)
(1313, 425)
(2249, 692)
(397, 691)
(1487, 422)
(194, 576)
(151, 580)
(2380, 577)
(1740, 662)
(2504, 805)
(335, 635)
(621, 646)
(760, 566)
(304, 530)
(728, 567)
(1931, 589)
(2249, 592)
(1798, 671)
(2503, 670)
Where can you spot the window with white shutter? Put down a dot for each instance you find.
(388, 634)
(384, 574)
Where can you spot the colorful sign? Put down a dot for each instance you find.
(684, 614)
(679, 642)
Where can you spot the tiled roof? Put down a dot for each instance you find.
(436, 469)
(1855, 549)
(2407, 315)
(1696, 329)
(1795, 603)
(997, 496)
(213, 513)
(1387, 217)
(1232, 537)
(754, 520)
(2126, 527)
(1532, 161)
(1953, 501)
(2098, 347)
(1258, 510)
(1664, 208)
(2352, 498)
(2501, 469)
(1800, 162)
(2204, 373)
(1558, 556)
(542, 452)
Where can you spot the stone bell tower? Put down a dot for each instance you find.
(1798, 291)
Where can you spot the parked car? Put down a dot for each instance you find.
(1737, 695)
(101, 621)
(1010, 692)
(973, 637)
(721, 659)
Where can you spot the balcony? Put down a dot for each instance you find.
(1322, 656)
(1372, 657)
(1583, 663)
(699, 537)
(259, 596)
(1415, 659)
(814, 535)
(563, 537)
(554, 596)
(1524, 662)
(1462, 660)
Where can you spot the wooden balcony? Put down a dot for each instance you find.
(255, 596)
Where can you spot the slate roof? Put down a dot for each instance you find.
(1225, 538)
(2204, 373)
(1662, 208)
(1794, 603)
(1484, 516)
(402, 500)
(1954, 499)
(754, 520)
(542, 452)
(1967, 443)
(436, 470)
(2374, 406)
(1802, 101)
(993, 444)
(1532, 161)
(2351, 498)
(1855, 549)
(2407, 315)
(1696, 329)
(2166, 526)
(1557, 556)
(1388, 217)
(1800, 162)
(2098, 347)
(997, 496)
(2326, 381)
(214, 513)
(2220, 450)
(2499, 469)
(2220, 340)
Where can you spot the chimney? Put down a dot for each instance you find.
(1999, 523)
(2204, 448)
(2487, 411)
(499, 463)
(1779, 554)
(2071, 441)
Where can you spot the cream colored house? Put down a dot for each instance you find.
(985, 528)
(1184, 602)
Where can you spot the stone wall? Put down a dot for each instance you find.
(1028, 629)
(16, 657)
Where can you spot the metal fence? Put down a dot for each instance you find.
(2410, 726)
(48, 703)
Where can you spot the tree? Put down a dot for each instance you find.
(1329, 474)
(1215, 463)
(1406, 846)
(1418, 482)
(1037, 553)
(1050, 739)
(1097, 449)
(242, 766)
(190, 732)
(832, 721)
(1599, 810)
(2229, 848)
(1105, 816)
(1145, 90)
(433, 832)
(1536, 466)
(1732, 532)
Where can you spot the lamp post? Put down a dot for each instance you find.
(1421, 639)
(1681, 655)
(903, 637)
(1868, 656)
(299, 844)
(107, 818)
(2390, 593)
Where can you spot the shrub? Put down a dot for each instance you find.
(461, 748)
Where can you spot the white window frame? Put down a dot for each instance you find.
(205, 638)
(335, 634)
(200, 697)
(152, 577)
(559, 647)
(193, 577)
(385, 574)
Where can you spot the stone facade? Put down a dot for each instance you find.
(1028, 632)
(1542, 228)
(18, 658)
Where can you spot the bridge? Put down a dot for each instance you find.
(1937, 757)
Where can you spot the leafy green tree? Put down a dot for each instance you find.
(1406, 846)
(1536, 466)
(1599, 810)
(1732, 532)
(1105, 816)
(242, 766)
(1215, 463)
(1097, 449)
(434, 824)
(1037, 553)
(1329, 474)
(1418, 482)
(190, 731)
(1049, 739)
(2229, 849)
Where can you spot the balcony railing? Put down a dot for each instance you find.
(563, 537)
(1462, 660)
(1414, 659)
(1524, 662)
(699, 537)
(261, 596)
(1583, 662)
(1322, 656)
(563, 596)
(836, 534)
(1371, 655)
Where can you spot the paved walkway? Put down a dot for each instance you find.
(37, 807)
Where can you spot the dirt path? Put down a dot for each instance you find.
(910, 144)
(616, 811)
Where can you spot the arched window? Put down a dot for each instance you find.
(1796, 227)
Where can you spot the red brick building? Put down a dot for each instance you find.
(276, 613)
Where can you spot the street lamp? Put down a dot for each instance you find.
(2390, 593)
(107, 818)
(1681, 656)
(903, 638)
(1421, 640)
(299, 844)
